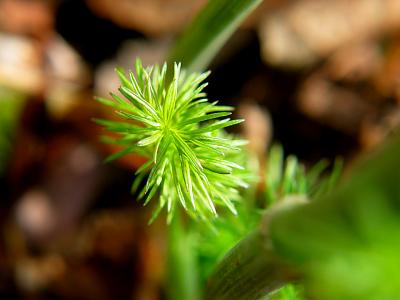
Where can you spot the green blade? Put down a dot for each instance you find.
(209, 31)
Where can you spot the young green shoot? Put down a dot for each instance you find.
(181, 134)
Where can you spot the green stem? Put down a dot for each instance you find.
(182, 268)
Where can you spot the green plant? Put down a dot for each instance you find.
(302, 239)
(349, 236)
(341, 245)
(148, 135)
(166, 118)
(286, 180)
(174, 126)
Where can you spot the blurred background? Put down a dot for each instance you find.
(321, 77)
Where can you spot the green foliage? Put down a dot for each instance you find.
(288, 177)
(284, 177)
(181, 133)
(347, 242)
(211, 243)
(192, 162)
(207, 34)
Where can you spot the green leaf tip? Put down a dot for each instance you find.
(191, 161)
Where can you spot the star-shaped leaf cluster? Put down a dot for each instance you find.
(172, 123)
